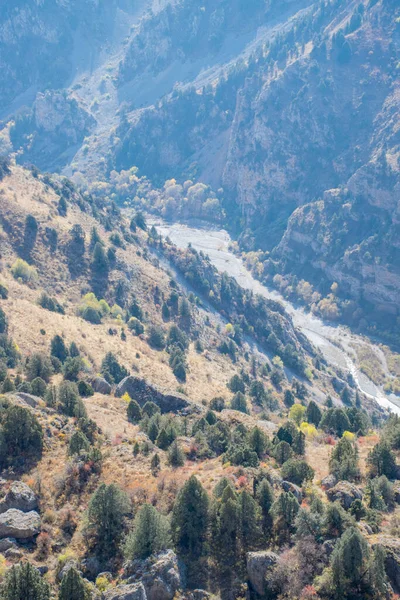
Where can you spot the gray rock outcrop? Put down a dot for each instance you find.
(345, 492)
(101, 386)
(392, 560)
(19, 496)
(258, 566)
(143, 391)
(19, 525)
(329, 482)
(134, 591)
(159, 575)
(288, 486)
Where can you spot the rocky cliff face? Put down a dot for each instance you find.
(305, 145)
(43, 44)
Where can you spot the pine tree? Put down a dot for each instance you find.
(239, 403)
(176, 456)
(349, 561)
(100, 264)
(336, 520)
(265, 497)
(150, 409)
(3, 321)
(107, 508)
(24, 582)
(249, 530)
(288, 398)
(313, 413)
(308, 524)
(155, 464)
(94, 239)
(21, 434)
(163, 441)
(72, 586)
(378, 572)
(344, 460)
(283, 452)
(225, 537)
(190, 520)
(382, 461)
(58, 348)
(150, 534)
(285, 509)
(299, 443)
(153, 430)
(74, 350)
(257, 441)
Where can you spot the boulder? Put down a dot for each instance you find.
(288, 486)
(159, 575)
(133, 591)
(19, 525)
(19, 496)
(258, 566)
(7, 543)
(91, 567)
(200, 595)
(32, 401)
(345, 492)
(328, 547)
(329, 482)
(101, 386)
(392, 560)
(142, 392)
(70, 564)
(13, 554)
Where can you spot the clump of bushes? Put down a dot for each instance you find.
(51, 304)
(93, 310)
(24, 272)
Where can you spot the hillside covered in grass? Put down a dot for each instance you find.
(166, 434)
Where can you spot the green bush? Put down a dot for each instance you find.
(136, 326)
(78, 443)
(134, 412)
(69, 400)
(239, 403)
(23, 271)
(156, 338)
(3, 292)
(3, 321)
(111, 370)
(297, 471)
(72, 367)
(85, 389)
(50, 304)
(39, 365)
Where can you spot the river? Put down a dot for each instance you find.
(335, 342)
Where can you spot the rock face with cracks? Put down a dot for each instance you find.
(345, 492)
(19, 496)
(19, 525)
(142, 391)
(258, 566)
(135, 591)
(159, 575)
